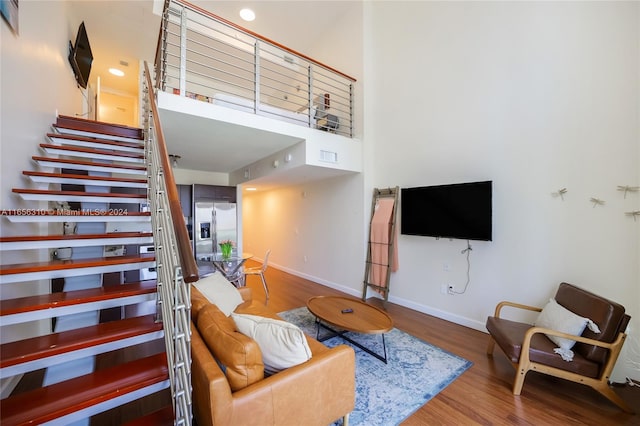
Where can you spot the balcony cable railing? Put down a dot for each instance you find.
(205, 57)
(175, 264)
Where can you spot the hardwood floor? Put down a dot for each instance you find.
(482, 395)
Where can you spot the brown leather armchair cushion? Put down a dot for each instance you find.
(239, 354)
(509, 335)
(607, 314)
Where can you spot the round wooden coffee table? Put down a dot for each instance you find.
(342, 314)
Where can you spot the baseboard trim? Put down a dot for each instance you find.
(425, 309)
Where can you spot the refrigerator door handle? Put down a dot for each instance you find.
(215, 230)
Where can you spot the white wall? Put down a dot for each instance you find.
(313, 230)
(36, 81)
(324, 221)
(535, 96)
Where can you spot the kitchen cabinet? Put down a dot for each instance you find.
(184, 192)
(214, 192)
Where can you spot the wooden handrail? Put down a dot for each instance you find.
(258, 36)
(187, 261)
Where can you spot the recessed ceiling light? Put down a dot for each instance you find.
(116, 72)
(247, 14)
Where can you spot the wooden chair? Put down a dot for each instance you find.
(259, 270)
(595, 355)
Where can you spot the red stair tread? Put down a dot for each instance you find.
(35, 348)
(51, 402)
(81, 193)
(88, 163)
(101, 141)
(92, 150)
(85, 177)
(55, 265)
(99, 127)
(69, 298)
(72, 237)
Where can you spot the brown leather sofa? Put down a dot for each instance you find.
(316, 392)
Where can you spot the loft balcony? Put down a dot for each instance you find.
(234, 102)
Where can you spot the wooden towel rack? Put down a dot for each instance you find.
(381, 250)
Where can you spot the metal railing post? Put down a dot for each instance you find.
(351, 110)
(310, 94)
(256, 80)
(183, 52)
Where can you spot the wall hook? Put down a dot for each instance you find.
(627, 188)
(597, 202)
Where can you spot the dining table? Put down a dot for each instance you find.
(231, 266)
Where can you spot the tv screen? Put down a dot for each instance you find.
(80, 57)
(461, 211)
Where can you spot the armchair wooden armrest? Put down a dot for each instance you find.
(505, 303)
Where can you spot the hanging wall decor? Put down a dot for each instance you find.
(627, 188)
(634, 214)
(560, 193)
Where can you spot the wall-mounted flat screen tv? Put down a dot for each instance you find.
(462, 211)
(80, 57)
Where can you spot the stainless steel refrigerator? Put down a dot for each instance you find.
(213, 222)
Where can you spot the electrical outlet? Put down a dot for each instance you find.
(450, 289)
(446, 267)
(443, 288)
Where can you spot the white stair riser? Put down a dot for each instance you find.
(146, 220)
(93, 155)
(108, 405)
(96, 144)
(44, 275)
(92, 182)
(88, 199)
(74, 309)
(94, 135)
(91, 168)
(47, 244)
(82, 353)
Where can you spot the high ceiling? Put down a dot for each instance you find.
(128, 30)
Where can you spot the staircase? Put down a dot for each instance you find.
(104, 359)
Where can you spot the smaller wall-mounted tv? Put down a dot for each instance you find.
(80, 57)
(462, 211)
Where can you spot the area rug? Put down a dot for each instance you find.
(386, 394)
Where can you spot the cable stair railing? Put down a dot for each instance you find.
(175, 264)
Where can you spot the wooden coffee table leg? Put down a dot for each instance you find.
(341, 334)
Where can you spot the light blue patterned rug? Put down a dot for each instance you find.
(386, 394)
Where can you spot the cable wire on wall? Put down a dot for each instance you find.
(467, 251)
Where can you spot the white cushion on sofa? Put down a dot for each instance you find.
(283, 344)
(219, 291)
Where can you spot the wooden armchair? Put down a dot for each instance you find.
(595, 355)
